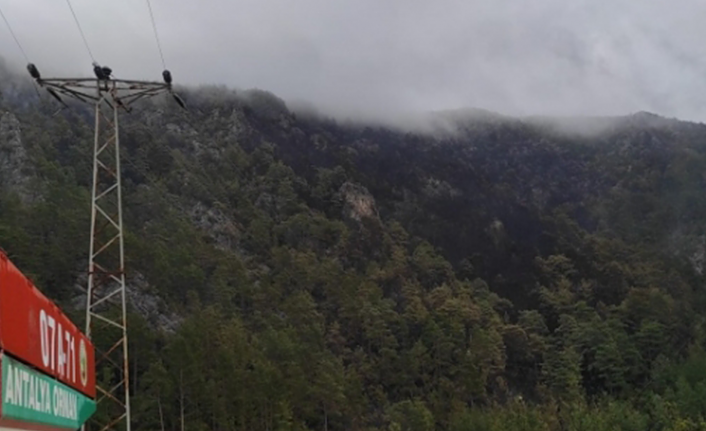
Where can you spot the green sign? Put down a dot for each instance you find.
(33, 397)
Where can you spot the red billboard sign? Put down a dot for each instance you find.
(33, 329)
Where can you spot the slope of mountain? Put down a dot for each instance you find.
(289, 271)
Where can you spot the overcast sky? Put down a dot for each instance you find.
(517, 57)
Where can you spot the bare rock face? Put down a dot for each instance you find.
(686, 243)
(15, 167)
(358, 203)
(150, 306)
(141, 298)
(698, 255)
(217, 224)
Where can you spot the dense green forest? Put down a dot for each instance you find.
(314, 274)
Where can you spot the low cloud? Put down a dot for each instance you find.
(382, 59)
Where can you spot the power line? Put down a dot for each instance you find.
(24, 54)
(19, 45)
(154, 27)
(85, 41)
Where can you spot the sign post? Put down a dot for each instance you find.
(48, 378)
(34, 330)
(30, 396)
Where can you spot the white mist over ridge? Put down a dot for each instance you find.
(366, 58)
(16, 84)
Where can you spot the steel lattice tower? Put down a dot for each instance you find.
(106, 300)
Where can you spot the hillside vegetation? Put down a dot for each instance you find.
(292, 272)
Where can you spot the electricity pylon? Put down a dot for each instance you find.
(106, 302)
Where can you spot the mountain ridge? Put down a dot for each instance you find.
(295, 272)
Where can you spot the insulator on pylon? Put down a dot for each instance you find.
(179, 100)
(33, 71)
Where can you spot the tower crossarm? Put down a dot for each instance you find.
(123, 92)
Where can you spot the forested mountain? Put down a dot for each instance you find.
(293, 272)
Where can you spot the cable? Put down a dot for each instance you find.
(154, 27)
(85, 41)
(24, 54)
